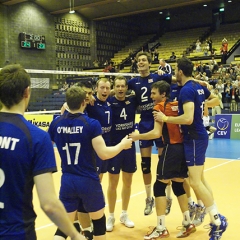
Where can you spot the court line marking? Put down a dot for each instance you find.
(139, 193)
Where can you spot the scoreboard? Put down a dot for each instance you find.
(32, 41)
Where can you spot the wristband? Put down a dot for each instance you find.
(164, 118)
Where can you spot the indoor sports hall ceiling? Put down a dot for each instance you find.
(105, 9)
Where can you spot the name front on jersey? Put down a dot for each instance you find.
(106, 129)
(8, 142)
(123, 126)
(146, 107)
(70, 130)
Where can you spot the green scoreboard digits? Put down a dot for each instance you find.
(32, 41)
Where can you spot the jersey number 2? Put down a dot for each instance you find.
(2, 180)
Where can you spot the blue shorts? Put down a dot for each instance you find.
(77, 190)
(125, 161)
(144, 127)
(102, 165)
(27, 233)
(195, 151)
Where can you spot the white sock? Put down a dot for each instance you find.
(186, 218)
(161, 222)
(216, 206)
(111, 215)
(214, 215)
(87, 229)
(190, 201)
(148, 190)
(124, 211)
(200, 203)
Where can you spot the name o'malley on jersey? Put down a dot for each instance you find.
(70, 130)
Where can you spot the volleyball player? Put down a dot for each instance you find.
(26, 158)
(101, 111)
(191, 105)
(123, 119)
(142, 88)
(172, 164)
(87, 88)
(82, 219)
(77, 137)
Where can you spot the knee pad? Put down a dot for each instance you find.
(177, 188)
(159, 189)
(146, 165)
(99, 226)
(60, 233)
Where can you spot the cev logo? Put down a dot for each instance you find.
(222, 124)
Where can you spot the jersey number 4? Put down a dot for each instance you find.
(123, 114)
(77, 152)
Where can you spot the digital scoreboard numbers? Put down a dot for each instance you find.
(32, 41)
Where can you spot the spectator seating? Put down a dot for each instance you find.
(49, 102)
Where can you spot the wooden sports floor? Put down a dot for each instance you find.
(222, 172)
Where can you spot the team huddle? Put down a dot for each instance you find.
(95, 135)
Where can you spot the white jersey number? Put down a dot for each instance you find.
(66, 148)
(108, 116)
(123, 114)
(143, 97)
(2, 180)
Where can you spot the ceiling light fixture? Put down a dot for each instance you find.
(71, 4)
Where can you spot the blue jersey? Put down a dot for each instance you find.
(194, 92)
(25, 152)
(73, 134)
(174, 91)
(142, 89)
(103, 113)
(123, 118)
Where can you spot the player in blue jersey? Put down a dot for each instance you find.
(171, 166)
(123, 120)
(77, 137)
(82, 220)
(101, 111)
(87, 88)
(26, 158)
(191, 106)
(142, 88)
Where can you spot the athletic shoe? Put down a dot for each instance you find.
(155, 233)
(199, 216)
(110, 224)
(217, 231)
(192, 210)
(88, 235)
(168, 207)
(149, 206)
(186, 230)
(126, 221)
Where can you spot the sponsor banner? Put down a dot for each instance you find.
(223, 125)
(235, 129)
(42, 121)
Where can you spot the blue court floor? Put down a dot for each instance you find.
(218, 148)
